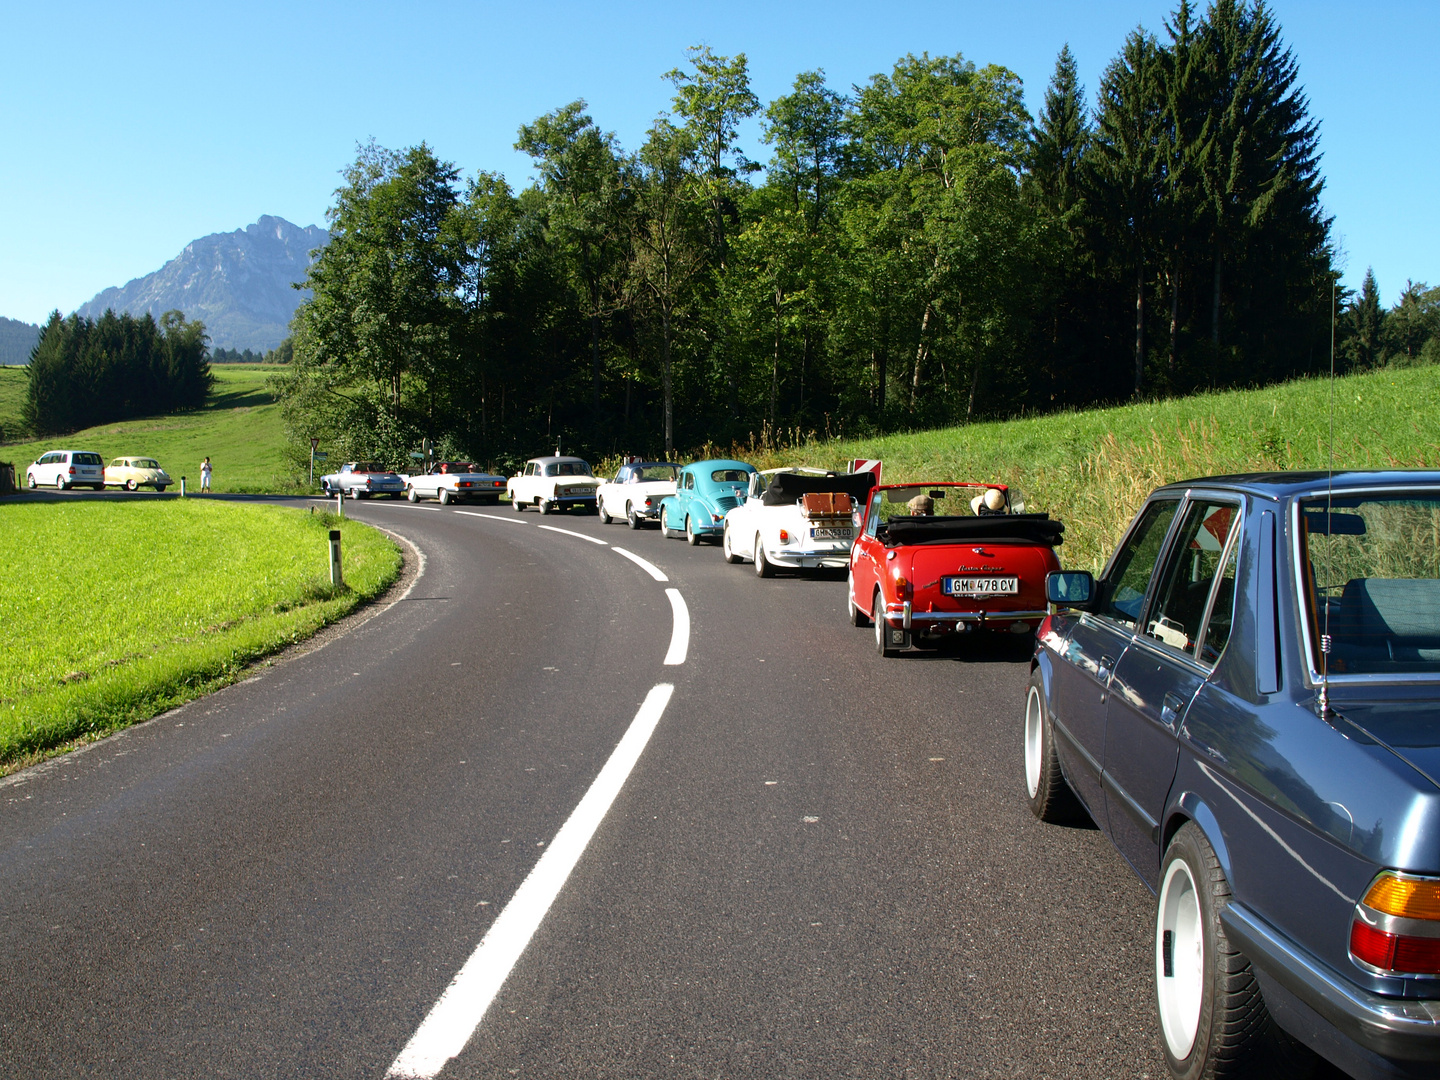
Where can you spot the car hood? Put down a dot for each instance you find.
(1409, 729)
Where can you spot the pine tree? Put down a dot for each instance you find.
(1059, 138)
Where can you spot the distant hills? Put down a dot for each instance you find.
(238, 283)
(16, 340)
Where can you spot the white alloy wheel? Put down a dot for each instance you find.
(410, 493)
(631, 517)
(731, 555)
(1034, 739)
(762, 564)
(60, 482)
(30, 477)
(1179, 957)
(444, 496)
(605, 518)
(545, 506)
(691, 536)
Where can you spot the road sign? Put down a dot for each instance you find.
(416, 455)
(314, 442)
(321, 455)
(868, 465)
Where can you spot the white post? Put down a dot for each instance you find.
(182, 487)
(340, 503)
(337, 573)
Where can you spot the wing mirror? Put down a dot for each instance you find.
(1070, 588)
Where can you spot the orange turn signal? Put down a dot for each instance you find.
(1406, 896)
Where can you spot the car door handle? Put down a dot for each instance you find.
(1106, 668)
(1170, 710)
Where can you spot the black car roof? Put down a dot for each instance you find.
(1279, 485)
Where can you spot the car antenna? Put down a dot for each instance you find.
(1329, 521)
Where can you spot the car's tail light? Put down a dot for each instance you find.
(784, 536)
(1396, 928)
(72, 470)
(902, 587)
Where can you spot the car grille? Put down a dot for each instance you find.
(726, 502)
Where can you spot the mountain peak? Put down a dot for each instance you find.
(238, 283)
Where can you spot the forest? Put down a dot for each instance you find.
(916, 251)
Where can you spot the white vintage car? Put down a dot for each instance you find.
(636, 491)
(553, 483)
(800, 518)
(454, 481)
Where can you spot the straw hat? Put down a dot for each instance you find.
(991, 502)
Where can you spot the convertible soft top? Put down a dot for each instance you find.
(999, 528)
(786, 487)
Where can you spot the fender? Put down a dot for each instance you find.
(1191, 807)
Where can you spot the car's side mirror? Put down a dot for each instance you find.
(1070, 588)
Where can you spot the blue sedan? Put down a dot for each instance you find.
(1247, 702)
(705, 491)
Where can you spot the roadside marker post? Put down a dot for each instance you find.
(340, 504)
(337, 571)
(182, 487)
(314, 445)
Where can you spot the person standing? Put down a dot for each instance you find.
(205, 475)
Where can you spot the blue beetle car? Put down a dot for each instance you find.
(705, 491)
(1247, 702)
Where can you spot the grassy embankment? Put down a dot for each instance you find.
(1093, 469)
(115, 611)
(239, 428)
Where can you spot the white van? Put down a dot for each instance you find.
(65, 469)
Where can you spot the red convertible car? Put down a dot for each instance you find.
(936, 560)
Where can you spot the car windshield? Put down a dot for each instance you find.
(925, 500)
(653, 472)
(1371, 569)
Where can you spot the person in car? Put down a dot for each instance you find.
(921, 505)
(991, 502)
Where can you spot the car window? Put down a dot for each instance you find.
(147, 463)
(873, 522)
(730, 476)
(89, 459)
(689, 480)
(1372, 581)
(1129, 575)
(1188, 579)
(1222, 610)
(654, 472)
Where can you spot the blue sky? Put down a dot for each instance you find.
(130, 129)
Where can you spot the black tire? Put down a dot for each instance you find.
(60, 484)
(30, 479)
(1233, 1034)
(517, 505)
(665, 522)
(882, 637)
(691, 536)
(634, 520)
(605, 518)
(160, 488)
(324, 489)
(762, 564)
(858, 617)
(410, 493)
(731, 555)
(1050, 796)
(545, 507)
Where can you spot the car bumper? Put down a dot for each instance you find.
(1395, 1028)
(809, 558)
(930, 620)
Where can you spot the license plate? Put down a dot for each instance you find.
(830, 534)
(980, 586)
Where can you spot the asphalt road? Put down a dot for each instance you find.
(820, 865)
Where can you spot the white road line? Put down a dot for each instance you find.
(649, 567)
(680, 636)
(580, 536)
(457, 1014)
(491, 517)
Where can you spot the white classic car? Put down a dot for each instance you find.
(636, 491)
(454, 481)
(553, 483)
(361, 479)
(801, 518)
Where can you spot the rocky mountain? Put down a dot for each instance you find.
(16, 340)
(237, 283)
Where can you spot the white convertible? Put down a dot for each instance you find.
(801, 518)
(454, 481)
(636, 491)
(553, 483)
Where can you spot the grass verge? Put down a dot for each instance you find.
(117, 612)
(1093, 469)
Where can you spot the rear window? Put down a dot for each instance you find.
(146, 463)
(88, 459)
(730, 476)
(1371, 569)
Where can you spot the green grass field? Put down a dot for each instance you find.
(12, 397)
(117, 610)
(1093, 469)
(239, 428)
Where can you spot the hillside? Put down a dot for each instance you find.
(239, 428)
(16, 340)
(237, 283)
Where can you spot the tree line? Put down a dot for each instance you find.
(281, 354)
(84, 372)
(916, 251)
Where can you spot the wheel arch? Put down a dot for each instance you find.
(1191, 807)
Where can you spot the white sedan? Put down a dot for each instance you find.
(553, 483)
(799, 518)
(636, 491)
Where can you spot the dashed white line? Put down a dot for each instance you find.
(680, 635)
(649, 567)
(457, 1014)
(491, 517)
(580, 536)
